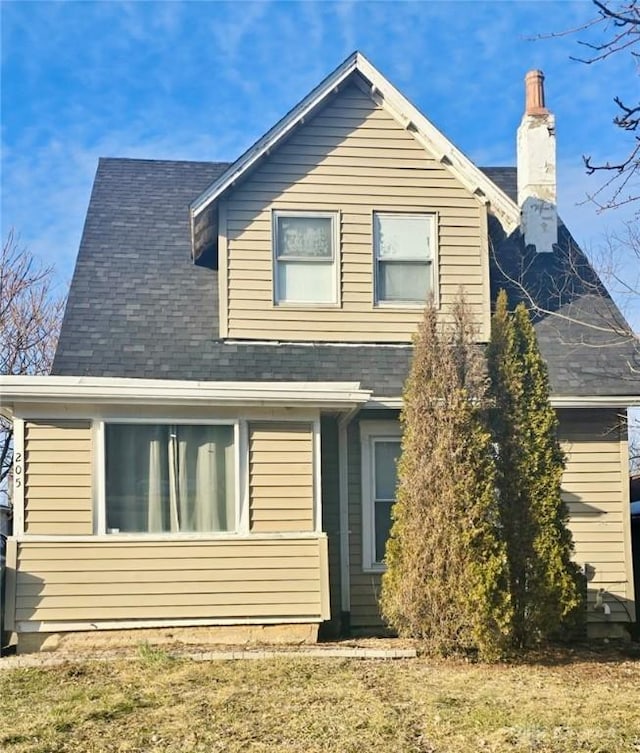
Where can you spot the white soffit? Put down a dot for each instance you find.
(119, 391)
(387, 96)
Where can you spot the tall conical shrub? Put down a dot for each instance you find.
(446, 579)
(544, 584)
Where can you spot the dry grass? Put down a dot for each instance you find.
(155, 703)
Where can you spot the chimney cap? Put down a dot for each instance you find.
(534, 93)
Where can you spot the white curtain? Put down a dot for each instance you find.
(155, 517)
(170, 478)
(194, 500)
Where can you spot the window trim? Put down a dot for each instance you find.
(433, 262)
(334, 216)
(100, 500)
(371, 432)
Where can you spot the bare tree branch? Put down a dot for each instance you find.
(619, 21)
(564, 291)
(31, 310)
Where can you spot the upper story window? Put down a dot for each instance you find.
(404, 250)
(169, 478)
(305, 257)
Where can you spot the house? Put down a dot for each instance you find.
(216, 446)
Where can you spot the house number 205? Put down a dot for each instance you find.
(17, 469)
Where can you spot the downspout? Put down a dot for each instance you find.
(343, 476)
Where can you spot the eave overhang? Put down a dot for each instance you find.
(52, 390)
(560, 401)
(382, 91)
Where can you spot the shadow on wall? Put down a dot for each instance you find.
(608, 615)
(13, 608)
(577, 508)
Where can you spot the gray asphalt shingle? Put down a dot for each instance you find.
(139, 307)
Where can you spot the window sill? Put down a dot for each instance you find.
(139, 538)
(383, 306)
(306, 306)
(374, 569)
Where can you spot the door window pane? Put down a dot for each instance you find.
(385, 459)
(383, 526)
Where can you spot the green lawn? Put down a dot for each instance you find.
(154, 703)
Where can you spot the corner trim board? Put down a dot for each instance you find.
(19, 476)
(10, 585)
(223, 281)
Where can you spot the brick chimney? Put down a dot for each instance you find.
(537, 168)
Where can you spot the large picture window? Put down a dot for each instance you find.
(169, 478)
(380, 442)
(305, 258)
(404, 249)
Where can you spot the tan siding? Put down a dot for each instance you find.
(281, 477)
(352, 158)
(593, 487)
(58, 477)
(138, 581)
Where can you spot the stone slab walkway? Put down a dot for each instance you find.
(131, 653)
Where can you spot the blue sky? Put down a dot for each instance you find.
(203, 80)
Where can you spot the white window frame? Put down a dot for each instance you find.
(432, 263)
(370, 433)
(334, 216)
(100, 479)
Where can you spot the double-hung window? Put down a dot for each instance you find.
(404, 252)
(169, 478)
(305, 247)
(380, 444)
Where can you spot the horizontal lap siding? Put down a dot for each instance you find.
(58, 477)
(143, 581)
(595, 488)
(281, 477)
(352, 158)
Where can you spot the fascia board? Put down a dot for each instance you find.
(425, 132)
(596, 401)
(435, 141)
(274, 135)
(589, 401)
(107, 390)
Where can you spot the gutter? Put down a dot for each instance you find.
(343, 478)
(560, 401)
(596, 401)
(124, 391)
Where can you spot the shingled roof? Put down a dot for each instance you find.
(139, 307)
